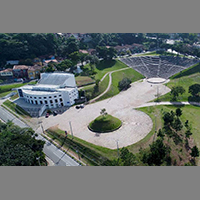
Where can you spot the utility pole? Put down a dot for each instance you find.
(117, 148)
(71, 129)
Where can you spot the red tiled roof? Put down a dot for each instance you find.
(7, 70)
(20, 67)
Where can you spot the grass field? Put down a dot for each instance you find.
(103, 124)
(16, 108)
(83, 80)
(191, 113)
(185, 82)
(84, 147)
(106, 66)
(118, 76)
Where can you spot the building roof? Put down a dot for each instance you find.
(20, 67)
(58, 79)
(33, 68)
(52, 60)
(7, 70)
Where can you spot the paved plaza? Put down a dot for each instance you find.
(135, 124)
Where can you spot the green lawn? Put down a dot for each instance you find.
(89, 147)
(102, 87)
(83, 80)
(118, 76)
(4, 94)
(16, 108)
(185, 82)
(106, 66)
(105, 124)
(6, 88)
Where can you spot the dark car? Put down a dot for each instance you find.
(55, 113)
(77, 107)
(47, 115)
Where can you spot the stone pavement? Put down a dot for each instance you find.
(135, 124)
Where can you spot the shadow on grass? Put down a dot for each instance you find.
(194, 99)
(103, 64)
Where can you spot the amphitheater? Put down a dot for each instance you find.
(159, 68)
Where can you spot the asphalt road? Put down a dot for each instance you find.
(59, 157)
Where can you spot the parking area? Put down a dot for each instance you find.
(136, 125)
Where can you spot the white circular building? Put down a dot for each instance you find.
(53, 90)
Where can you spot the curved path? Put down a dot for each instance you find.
(168, 103)
(109, 84)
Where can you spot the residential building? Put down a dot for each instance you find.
(20, 71)
(34, 72)
(6, 73)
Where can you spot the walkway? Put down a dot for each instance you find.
(109, 84)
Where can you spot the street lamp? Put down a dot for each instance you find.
(155, 128)
(38, 158)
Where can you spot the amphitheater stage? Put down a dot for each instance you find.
(156, 80)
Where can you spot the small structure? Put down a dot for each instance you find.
(6, 74)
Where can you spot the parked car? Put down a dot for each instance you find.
(55, 113)
(77, 107)
(47, 115)
(82, 106)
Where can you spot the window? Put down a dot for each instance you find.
(56, 100)
(36, 102)
(61, 104)
(35, 97)
(61, 99)
(60, 95)
(32, 101)
(44, 97)
(45, 102)
(41, 102)
(55, 96)
(40, 97)
(50, 97)
(31, 97)
(51, 101)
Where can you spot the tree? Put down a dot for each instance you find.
(195, 152)
(188, 133)
(103, 112)
(177, 125)
(18, 146)
(158, 153)
(194, 89)
(168, 117)
(124, 84)
(178, 112)
(176, 91)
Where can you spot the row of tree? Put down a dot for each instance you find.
(19, 146)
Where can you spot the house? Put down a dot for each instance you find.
(12, 62)
(92, 51)
(83, 51)
(20, 71)
(46, 62)
(34, 72)
(6, 73)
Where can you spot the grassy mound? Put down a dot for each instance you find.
(104, 124)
